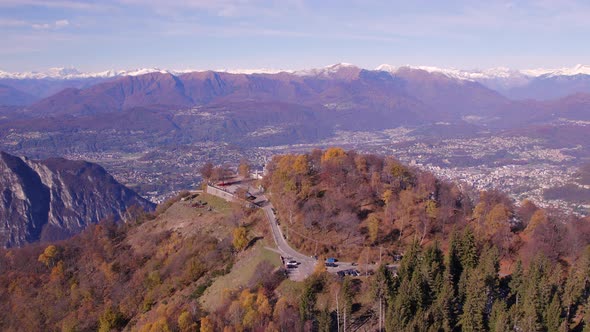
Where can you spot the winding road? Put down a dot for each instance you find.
(307, 264)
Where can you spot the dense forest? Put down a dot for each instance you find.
(451, 260)
(472, 261)
(337, 202)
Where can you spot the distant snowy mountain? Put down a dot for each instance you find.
(326, 71)
(249, 71)
(494, 73)
(473, 75)
(538, 83)
(73, 73)
(577, 70)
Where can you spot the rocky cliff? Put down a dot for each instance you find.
(55, 198)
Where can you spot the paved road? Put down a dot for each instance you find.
(307, 264)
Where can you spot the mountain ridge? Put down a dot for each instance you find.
(205, 86)
(52, 199)
(493, 72)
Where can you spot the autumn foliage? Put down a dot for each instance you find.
(453, 259)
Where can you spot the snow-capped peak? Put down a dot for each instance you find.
(326, 71)
(387, 68)
(73, 73)
(493, 73)
(576, 70)
(339, 70)
(254, 71)
(472, 75)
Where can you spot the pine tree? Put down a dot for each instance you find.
(499, 317)
(468, 250)
(489, 267)
(444, 308)
(536, 295)
(432, 268)
(324, 321)
(307, 302)
(410, 261)
(402, 309)
(516, 283)
(347, 299)
(473, 317)
(382, 289)
(553, 314)
(454, 260)
(576, 286)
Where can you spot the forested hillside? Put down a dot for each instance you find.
(145, 275)
(337, 202)
(471, 261)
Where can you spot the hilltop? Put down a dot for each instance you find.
(451, 259)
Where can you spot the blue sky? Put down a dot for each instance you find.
(291, 34)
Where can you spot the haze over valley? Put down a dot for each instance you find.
(152, 128)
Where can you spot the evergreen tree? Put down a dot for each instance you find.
(404, 306)
(499, 317)
(553, 314)
(489, 267)
(313, 285)
(516, 283)
(473, 317)
(410, 261)
(432, 268)
(468, 250)
(382, 289)
(347, 299)
(444, 308)
(325, 321)
(576, 286)
(454, 259)
(536, 295)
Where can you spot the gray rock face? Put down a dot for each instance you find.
(56, 198)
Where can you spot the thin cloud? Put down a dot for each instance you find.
(74, 5)
(61, 23)
(43, 26)
(55, 25)
(12, 23)
(219, 8)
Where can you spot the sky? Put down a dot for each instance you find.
(291, 34)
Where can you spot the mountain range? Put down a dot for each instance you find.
(515, 84)
(161, 110)
(47, 200)
(273, 108)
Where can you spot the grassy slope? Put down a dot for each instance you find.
(239, 277)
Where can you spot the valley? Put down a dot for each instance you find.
(523, 166)
(294, 166)
(153, 130)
